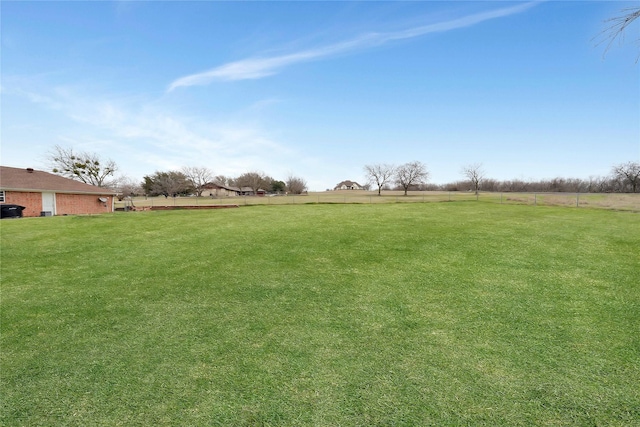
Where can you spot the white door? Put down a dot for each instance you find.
(49, 203)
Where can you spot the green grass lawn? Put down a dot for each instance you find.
(325, 315)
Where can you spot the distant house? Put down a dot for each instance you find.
(348, 185)
(219, 190)
(45, 194)
(246, 191)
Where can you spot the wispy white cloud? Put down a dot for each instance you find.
(259, 67)
(144, 135)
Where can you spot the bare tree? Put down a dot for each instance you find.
(617, 26)
(198, 176)
(254, 180)
(629, 174)
(84, 167)
(222, 180)
(410, 174)
(125, 187)
(379, 174)
(296, 185)
(475, 174)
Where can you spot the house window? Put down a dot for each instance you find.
(2, 196)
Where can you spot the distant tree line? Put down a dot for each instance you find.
(555, 185)
(624, 178)
(194, 180)
(91, 169)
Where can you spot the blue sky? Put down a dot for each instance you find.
(320, 89)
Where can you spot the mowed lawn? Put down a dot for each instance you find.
(441, 314)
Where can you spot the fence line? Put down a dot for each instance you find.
(618, 201)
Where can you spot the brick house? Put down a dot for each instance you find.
(44, 193)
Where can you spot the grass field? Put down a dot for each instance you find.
(403, 314)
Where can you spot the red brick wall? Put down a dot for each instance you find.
(74, 204)
(66, 204)
(32, 201)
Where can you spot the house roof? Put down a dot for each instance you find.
(348, 184)
(18, 179)
(213, 185)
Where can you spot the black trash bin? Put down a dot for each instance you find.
(11, 211)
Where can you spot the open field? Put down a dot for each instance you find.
(629, 202)
(404, 314)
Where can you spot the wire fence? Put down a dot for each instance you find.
(617, 201)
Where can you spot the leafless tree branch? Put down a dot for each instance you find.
(616, 28)
(84, 167)
(412, 173)
(379, 174)
(475, 174)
